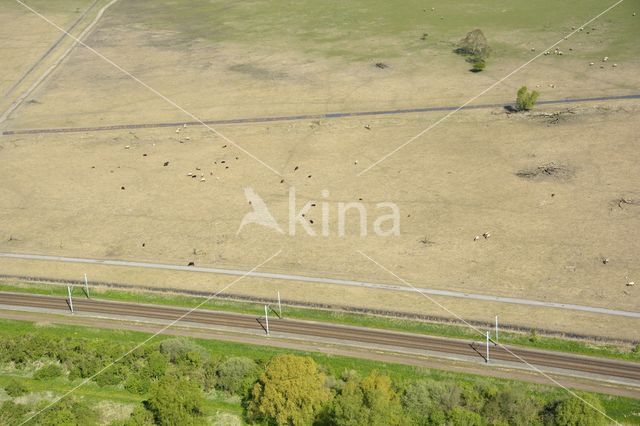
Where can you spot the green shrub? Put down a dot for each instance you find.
(12, 413)
(236, 374)
(462, 417)
(370, 401)
(137, 383)
(478, 65)
(424, 396)
(579, 412)
(184, 351)
(175, 401)
(14, 389)
(526, 100)
(113, 375)
(512, 406)
(68, 412)
(140, 417)
(47, 372)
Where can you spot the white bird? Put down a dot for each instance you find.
(476, 238)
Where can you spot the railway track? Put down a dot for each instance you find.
(399, 340)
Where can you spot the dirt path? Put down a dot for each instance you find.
(20, 100)
(50, 49)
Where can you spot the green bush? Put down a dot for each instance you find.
(579, 412)
(184, 351)
(514, 407)
(526, 100)
(139, 417)
(14, 389)
(371, 401)
(68, 412)
(236, 375)
(47, 372)
(462, 417)
(478, 65)
(137, 383)
(113, 375)
(175, 401)
(12, 413)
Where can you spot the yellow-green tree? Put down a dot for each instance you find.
(526, 100)
(290, 391)
(372, 402)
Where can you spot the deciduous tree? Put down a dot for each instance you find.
(290, 391)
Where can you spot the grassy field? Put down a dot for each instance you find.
(622, 409)
(370, 29)
(513, 338)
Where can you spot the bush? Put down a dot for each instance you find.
(11, 413)
(14, 389)
(422, 397)
(512, 406)
(525, 101)
(137, 383)
(475, 44)
(372, 401)
(156, 365)
(175, 401)
(478, 65)
(139, 417)
(113, 375)
(68, 412)
(184, 351)
(236, 374)
(461, 417)
(47, 372)
(579, 412)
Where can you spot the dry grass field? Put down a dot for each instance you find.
(549, 189)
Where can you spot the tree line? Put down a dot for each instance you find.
(175, 375)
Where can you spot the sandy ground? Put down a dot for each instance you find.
(25, 37)
(63, 194)
(232, 80)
